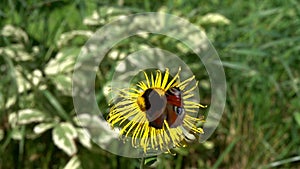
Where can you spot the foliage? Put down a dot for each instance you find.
(257, 42)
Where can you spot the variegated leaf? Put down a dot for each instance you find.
(42, 127)
(84, 138)
(1, 134)
(12, 119)
(59, 69)
(16, 134)
(63, 136)
(74, 163)
(27, 116)
(215, 18)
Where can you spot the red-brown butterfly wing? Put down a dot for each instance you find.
(174, 109)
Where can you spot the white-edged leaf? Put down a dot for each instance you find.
(84, 137)
(215, 18)
(42, 127)
(94, 20)
(83, 120)
(23, 84)
(63, 83)
(60, 68)
(107, 14)
(16, 52)
(68, 36)
(16, 134)
(74, 163)
(27, 116)
(16, 32)
(63, 62)
(10, 101)
(63, 136)
(12, 119)
(98, 128)
(1, 134)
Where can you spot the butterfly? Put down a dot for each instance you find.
(164, 107)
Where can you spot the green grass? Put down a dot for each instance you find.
(260, 50)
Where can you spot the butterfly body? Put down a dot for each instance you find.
(167, 107)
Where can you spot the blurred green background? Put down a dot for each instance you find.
(258, 42)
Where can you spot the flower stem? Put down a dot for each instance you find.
(142, 162)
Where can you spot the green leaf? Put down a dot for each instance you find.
(23, 84)
(42, 127)
(74, 163)
(150, 160)
(17, 52)
(84, 138)
(27, 116)
(56, 104)
(181, 151)
(63, 136)
(63, 83)
(214, 18)
(16, 32)
(297, 117)
(60, 68)
(1, 134)
(63, 62)
(16, 133)
(67, 37)
(10, 101)
(12, 119)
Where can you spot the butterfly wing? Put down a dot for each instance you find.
(174, 109)
(155, 108)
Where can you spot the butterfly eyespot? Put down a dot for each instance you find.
(178, 110)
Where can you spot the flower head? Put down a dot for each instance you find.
(155, 112)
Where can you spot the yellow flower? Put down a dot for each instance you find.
(155, 113)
